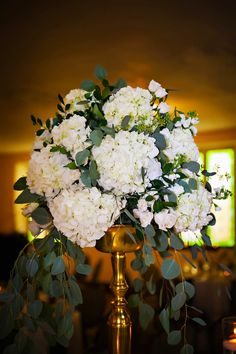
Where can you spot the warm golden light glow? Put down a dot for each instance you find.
(20, 222)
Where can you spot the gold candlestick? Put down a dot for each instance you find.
(118, 241)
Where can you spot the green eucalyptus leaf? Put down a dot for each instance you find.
(64, 325)
(176, 242)
(97, 112)
(137, 264)
(41, 216)
(125, 122)
(56, 288)
(71, 248)
(146, 314)
(199, 321)
(192, 166)
(133, 300)
(35, 308)
(84, 269)
(160, 140)
(192, 183)
(170, 269)
(49, 259)
(46, 282)
(58, 266)
(120, 83)
(187, 349)
(86, 179)
(185, 185)
(75, 292)
(106, 92)
(132, 218)
(174, 337)
(93, 172)
(150, 231)
(158, 206)
(206, 240)
(178, 301)
(186, 287)
(32, 267)
(17, 282)
(109, 131)
(208, 174)
(164, 320)
(96, 137)
(72, 165)
(81, 157)
(88, 85)
(137, 284)
(27, 197)
(20, 184)
(151, 285)
(162, 242)
(100, 72)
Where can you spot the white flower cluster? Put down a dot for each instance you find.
(47, 173)
(84, 215)
(121, 165)
(72, 133)
(132, 102)
(120, 161)
(193, 210)
(180, 143)
(187, 122)
(77, 101)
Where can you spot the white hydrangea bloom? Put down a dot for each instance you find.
(154, 170)
(74, 97)
(180, 143)
(72, 133)
(193, 209)
(120, 160)
(47, 173)
(84, 215)
(133, 102)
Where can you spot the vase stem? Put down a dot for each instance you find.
(119, 320)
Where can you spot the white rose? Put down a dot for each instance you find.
(153, 86)
(165, 219)
(144, 217)
(163, 107)
(142, 205)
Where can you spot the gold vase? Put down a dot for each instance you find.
(119, 240)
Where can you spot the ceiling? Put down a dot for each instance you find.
(49, 47)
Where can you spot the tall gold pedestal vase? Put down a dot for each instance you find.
(118, 242)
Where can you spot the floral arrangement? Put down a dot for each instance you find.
(111, 155)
